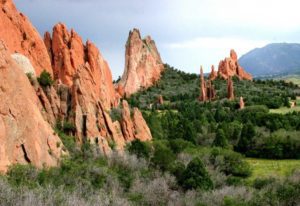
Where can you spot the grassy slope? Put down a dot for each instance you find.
(292, 78)
(270, 168)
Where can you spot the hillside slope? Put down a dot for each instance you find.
(273, 59)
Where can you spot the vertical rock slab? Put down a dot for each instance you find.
(25, 137)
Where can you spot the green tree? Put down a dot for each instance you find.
(45, 79)
(220, 140)
(247, 135)
(163, 156)
(140, 149)
(195, 176)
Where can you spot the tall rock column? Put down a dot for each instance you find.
(242, 103)
(230, 89)
(213, 74)
(203, 92)
(143, 65)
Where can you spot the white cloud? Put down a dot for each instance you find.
(222, 43)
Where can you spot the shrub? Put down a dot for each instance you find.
(178, 145)
(23, 175)
(116, 114)
(163, 156)
(45, 79)
(195, 176)
(140, 149)
(220, 140)
(230, 162)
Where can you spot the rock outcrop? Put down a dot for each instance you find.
(242, 103)
(203, 92)
(88, 92)
(69, 56)
(21, 37)
(213, 74)
(82, 97)
(207, 90)
(210, 91)
(230, 89)
(160, 100)
(143, 65)
(25, 137)
(229, 67)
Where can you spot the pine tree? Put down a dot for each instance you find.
(220, 140)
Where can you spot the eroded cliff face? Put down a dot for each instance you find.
(143, 65)
(230, 67)
(86, 93)
(21, 37)
(82, 95)
(25, 137)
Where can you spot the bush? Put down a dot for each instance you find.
(163, 156)
(45, 79)
(178, 145)
(230, 162)
(220, 140)
(195, 176)
(140, 149)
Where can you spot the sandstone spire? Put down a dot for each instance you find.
(143, 65)
(242, 103)
(230, 67)
(203, 92)
(211, 92)
(230, 89)
(213, 74)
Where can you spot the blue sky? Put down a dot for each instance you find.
(188, 33)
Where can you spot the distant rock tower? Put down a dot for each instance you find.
(210, 91)
(230, 89)
(160, 100)
(203, 92)
(207, 89)
(242, 103)
(213, 74)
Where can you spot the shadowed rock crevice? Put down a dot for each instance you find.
(26, 158)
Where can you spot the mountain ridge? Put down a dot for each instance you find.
(272, 59)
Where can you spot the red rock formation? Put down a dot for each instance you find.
(21, 37)
(210, 91)
(213, 74)
(25, 137)
(230, 89)
(230, 67)
(160, 100)
(86, 80)
(69, 55)
(83, 94)
(126, 123)
(203, 90)
(242, 103)
(143, 65)
(142, 131)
